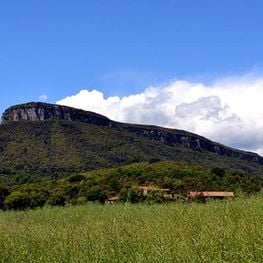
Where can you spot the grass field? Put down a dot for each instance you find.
(216, 232)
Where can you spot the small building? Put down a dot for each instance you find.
(210, 195)
(112, 200)
(146, 189)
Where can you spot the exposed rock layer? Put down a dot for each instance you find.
(171, 137)
(38, 111)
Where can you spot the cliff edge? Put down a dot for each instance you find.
(177, 142)
(39, 111)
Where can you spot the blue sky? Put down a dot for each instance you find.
(204, 58)
(58, 47)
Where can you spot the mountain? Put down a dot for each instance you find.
(46, 140)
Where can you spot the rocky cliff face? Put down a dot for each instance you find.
(174, 138)
(38, 111)
(168, 137)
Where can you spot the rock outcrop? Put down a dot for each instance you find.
(174, 137)
(38, 111)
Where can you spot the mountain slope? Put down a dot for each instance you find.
(38, 139)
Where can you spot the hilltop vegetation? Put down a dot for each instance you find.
(124, 181)
(57, 155)
(43, 150)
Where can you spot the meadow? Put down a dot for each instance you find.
(226, 231)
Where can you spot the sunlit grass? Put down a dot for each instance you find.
(215, 232)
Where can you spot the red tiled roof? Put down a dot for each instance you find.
(211, 194)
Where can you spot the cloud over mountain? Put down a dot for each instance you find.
(229, 111)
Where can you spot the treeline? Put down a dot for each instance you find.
(124, 182)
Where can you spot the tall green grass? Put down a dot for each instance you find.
(230, 231)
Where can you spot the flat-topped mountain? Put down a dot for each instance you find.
(44, 139)
(39, 111)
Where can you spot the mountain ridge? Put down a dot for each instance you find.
(40, 111)
(87, 140)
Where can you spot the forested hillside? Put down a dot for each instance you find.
(33, 151)
(124, 182)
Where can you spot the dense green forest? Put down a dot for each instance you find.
(36, 151)
(123, 181)
(59, 162)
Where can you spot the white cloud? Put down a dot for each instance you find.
(43, 98)
(229, 111)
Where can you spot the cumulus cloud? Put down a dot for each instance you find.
(43, 98)
(229, 111)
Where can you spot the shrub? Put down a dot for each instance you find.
(57, 199)
(17, 201)
(123, 195)
(76, 178)
(155, 197)
(4, 192)
(154, 160)
(37, 200)
(81, 200)
(95, 193)
(220, 172)
(133, 195)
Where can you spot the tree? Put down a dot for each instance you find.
(81, 200)
(4, 192)
(168, 182)
(123, 195)
(155, 197)
(114, 184)
(133, 195)
(95, 193)
(76, 178)
(57, 199)
(220, 172)
(37, 199)
(17, 201)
